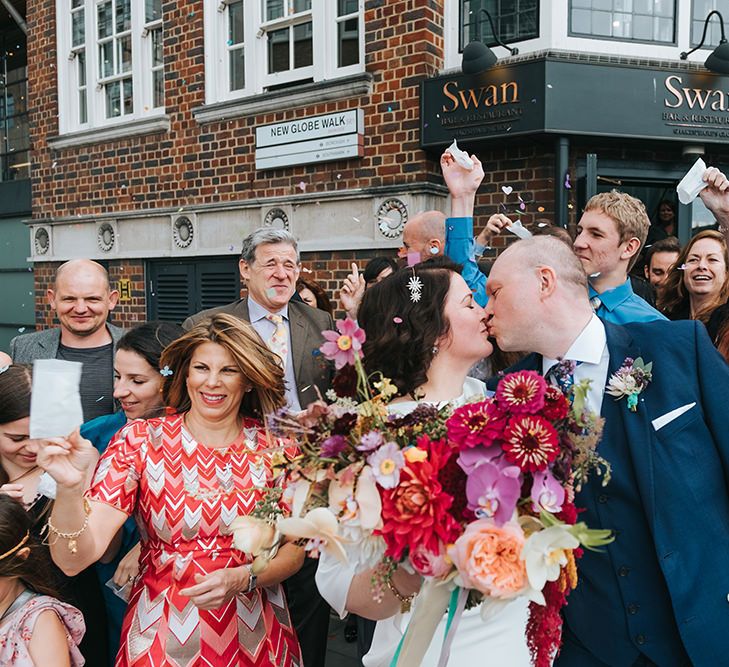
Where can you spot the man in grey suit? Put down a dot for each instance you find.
(269, 265)
(82, 298)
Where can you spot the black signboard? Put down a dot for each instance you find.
(565, 97)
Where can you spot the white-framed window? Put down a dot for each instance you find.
(110, 64)
(252, 46)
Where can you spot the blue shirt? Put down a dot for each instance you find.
(621, 305)
(459, 247)
(265, 328)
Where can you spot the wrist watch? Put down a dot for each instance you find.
(252, 579)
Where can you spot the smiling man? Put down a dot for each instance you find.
(610, 234)
(82, 300)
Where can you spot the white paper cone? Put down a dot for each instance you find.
(692, 183)
(461, 157)
(55, 401)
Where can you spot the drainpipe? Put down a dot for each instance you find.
(561, 167)
(16, 15)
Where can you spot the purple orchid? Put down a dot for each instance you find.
(472, 458)
(547, 493)
(493, 489)
(333, 446)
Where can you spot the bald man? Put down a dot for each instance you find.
(657, 594)
(424, 233)
(82, 300)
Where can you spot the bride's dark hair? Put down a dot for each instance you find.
(402, 333)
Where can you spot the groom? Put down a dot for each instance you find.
(659, 594)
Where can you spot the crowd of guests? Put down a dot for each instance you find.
(114, 541)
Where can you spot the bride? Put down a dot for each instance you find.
(425, 341)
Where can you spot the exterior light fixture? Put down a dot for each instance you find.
(718, 60)
(477, 57)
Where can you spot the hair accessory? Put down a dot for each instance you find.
(71, 537)
(166, 371)
(415, 286)
(17, 547)
(3, 369)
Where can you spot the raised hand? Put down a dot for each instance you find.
(716, 196)
(495, 224)
(460, 181)
(352, 291)
(70, 461)
(212, 591)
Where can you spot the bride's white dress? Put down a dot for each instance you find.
(498, 642)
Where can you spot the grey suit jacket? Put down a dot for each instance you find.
(312, 373)
(44, 344)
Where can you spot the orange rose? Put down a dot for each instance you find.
(488, 558)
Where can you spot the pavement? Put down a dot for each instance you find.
(339, 652)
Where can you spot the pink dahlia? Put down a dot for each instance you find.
(530, 442)
(475, 424)
(344, 345)
(522, 392)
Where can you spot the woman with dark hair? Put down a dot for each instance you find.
(185, 477)
(138, 388)
(355, 284)
(35, 628)
(23, 479)
(425, 341)
(698, 283)
(313, 294)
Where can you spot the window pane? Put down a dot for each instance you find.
(278, 51)
(235, 23)
(76, 3)
(104, 19)
(82, 108)
(78, 31)
(303, 45)
(81, 59)
(623, 5)
(123, 15)
(16, 99)
(643, 28)
(158, 83)
(237, 69)
(152, 10)
(124, 54)
(302, 6)
(622, 25)
(18, 165)
(347, 7)
(128, 96)
(157, 57)
(348, 42)
(645, 20)
(513, 20)
(602, 24)
(274, 9)
(113, 99)
(700, 11)
(106, 59)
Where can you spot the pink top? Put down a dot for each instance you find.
(16, 628)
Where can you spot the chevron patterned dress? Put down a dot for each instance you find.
(183, 496)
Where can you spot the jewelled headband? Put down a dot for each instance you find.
(16, 547)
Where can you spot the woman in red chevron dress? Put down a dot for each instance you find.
(185, 477)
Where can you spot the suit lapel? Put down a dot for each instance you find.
(48, 345)
(636, 427)
(299, 336)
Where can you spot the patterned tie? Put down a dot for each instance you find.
(595, 302)
(562, 375)
(278, 341)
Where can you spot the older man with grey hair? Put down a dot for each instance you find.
(269, 265)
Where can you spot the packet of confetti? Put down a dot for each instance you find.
(519, 230)
(692, 183)
(55, 401)
(461, 157)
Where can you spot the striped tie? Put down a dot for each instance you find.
(278, 341)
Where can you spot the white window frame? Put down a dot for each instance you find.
(257, 79)
(68, 80)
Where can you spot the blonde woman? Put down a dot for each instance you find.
(185, 478)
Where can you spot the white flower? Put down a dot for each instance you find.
(252, 535)
(544, 555)
(319, 526)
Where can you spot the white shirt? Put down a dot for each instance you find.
(590, 347)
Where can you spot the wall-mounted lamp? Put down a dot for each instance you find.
(718, 60)
(477, 57)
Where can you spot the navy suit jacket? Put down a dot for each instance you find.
(681, 474)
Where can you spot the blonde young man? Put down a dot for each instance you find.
(610, 234)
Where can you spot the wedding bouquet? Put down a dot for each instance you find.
(477, 499)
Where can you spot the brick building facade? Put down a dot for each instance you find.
(162, 188)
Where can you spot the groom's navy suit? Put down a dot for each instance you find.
(661, 590)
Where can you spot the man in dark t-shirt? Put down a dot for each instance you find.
(82, 299)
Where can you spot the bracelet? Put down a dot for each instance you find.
(405, 601)
(71, 537)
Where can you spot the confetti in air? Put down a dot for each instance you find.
(567, 183)
(301, 185)
(507, 189)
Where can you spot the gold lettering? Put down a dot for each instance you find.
(491, 97)
(674, 91)
(472, 97)
(696, 97)
(719, 104)
(515, 92)
(450, 96)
